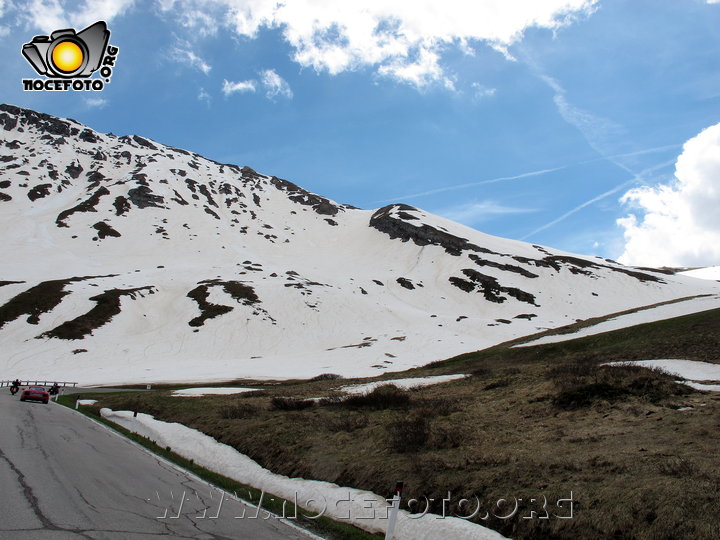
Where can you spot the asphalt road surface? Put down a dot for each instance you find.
(65, 476)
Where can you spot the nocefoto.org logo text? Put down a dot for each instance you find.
(67, 59)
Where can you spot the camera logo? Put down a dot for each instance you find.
(68, 58)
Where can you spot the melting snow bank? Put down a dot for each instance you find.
(687, 369)
(658, 313)
(197, 392)
(361, 508)
(403, 384)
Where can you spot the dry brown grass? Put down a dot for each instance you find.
(531, 423)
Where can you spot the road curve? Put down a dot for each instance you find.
(64, 476)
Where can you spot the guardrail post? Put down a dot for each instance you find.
(394, 511)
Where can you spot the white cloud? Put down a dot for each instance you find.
(204, 96)
(49, 15)
(680, 223)
(183, 54)
(230, 87)
(399, 39)
(275, 85)
(96, 103)
(474, 212)
(480, 91)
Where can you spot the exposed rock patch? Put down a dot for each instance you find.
(107, 306)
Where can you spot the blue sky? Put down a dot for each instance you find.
(524, 119)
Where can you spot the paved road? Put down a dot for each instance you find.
(64, 476)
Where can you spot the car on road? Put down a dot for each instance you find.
(35, 393)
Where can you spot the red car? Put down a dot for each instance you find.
(35, 393)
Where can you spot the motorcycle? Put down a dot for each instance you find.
(14, 389)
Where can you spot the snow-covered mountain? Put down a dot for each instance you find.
(126, 260)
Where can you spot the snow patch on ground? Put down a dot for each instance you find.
(690, 370)
(711, 272)
(403, 384)
(86, 401)
(366, 510)
(687, 369)
(659, 313)
(703, 387)
(197, 392)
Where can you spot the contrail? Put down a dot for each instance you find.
(471, 184)
(533, 173)
(579, 207)
(636, 178)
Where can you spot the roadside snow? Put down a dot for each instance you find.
(403, 384)
(361, 508)
(197, 392)
(711, 272)
(659, 313)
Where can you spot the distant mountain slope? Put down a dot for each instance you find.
(127, 261)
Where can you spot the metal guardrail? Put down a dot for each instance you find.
(37, 382)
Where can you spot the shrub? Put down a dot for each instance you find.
(326, 377)
(582, 383)
(333, 399)
(237, 410)
(583, 396)
(408, 435)
(291, 404)
(445, 437)
(500, 383)
(348, 423)
(382, 397)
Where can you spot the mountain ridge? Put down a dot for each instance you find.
(133, 261)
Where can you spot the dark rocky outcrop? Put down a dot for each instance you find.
(423, 235)
(321, 205)
(107, 306)
(85, 206)
(104, 230)
(490, 287)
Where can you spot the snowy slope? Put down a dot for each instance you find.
(130, 261)
(651, 314)
(711, 272)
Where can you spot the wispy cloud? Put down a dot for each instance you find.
(470, 184)
(596, 130)
(204, 96)
(230, 87)
(49, 15)
(184, 54)
(96, 103)
(475, 212)
(275, 85)
(480, 91)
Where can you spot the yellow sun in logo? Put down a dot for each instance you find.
(67, 56)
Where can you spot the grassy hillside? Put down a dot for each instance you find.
(530, 423)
